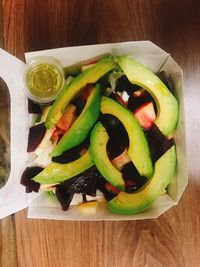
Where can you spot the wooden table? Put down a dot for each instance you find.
(174, 238)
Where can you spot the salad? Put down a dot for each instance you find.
(108, 137)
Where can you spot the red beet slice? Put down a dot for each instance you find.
(64, 196)
(123, 84)
(102, 187)
(135, 102)
(133, 180)
(118, 137)
(85, 182)
(36, 134)
(79, 103)
(33, 107)
(26, 177)
(158, 143)
(73, 153)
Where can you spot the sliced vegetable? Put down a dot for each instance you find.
(138, 149)
(85, 183)
(158, 143)
(167, 105)
(73, 88)
(57, 173)
(81, 127)
(126, 203)
(36, 134)
(45, 113)
(145, 115)
(86, 92)
(99, 139)
(67, 118)
(121, 160)
(139, 98)
(118, 137)
(43, 159)
(88, 208)
(33, 107)
(44, 142)
(48, 187)
(63, 196)
(73, 153)
(26, 179)
(133, 180)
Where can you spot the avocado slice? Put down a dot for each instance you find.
(73, 88)
(167, 105)
(98, 140)
(138, 150)
(125, 203)
(81, 127)
(57, 172)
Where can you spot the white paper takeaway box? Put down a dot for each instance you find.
(13, 197)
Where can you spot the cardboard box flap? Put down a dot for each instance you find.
(12, 195)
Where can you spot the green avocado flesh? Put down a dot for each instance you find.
(167, 105)
(138, 150)
(125, 203)
(57, 172)
(81, 127)
(74, 87)
(98, 140)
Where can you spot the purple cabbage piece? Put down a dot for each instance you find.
(26, 177)
(36, 134)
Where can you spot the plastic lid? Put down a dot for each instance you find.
(44, 79)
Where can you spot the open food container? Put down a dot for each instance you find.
(13, 196)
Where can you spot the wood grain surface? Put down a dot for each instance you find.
(174, 238)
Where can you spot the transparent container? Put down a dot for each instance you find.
(43, 79)
(4, 133)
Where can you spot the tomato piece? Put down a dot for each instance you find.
(112, 188)
(57, 133)
(145, 115)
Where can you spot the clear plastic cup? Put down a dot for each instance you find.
(43, 79)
